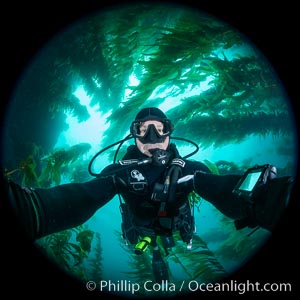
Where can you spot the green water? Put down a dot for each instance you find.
(85, 87)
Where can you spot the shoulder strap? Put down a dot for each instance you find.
(178, 162)
(126, 162)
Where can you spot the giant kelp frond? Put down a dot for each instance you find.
(199, 263)
(194, 199)
(39, 170)
(238, 89)
(69, 248)
(187, 56)
(95, 261)
(218, 130)
(240, 243)
(69, 105)
(120, 48)
(55, 246)
(81, 62)
(211, 166)
(58, 163)
(172, 59)
(141, 267)
(227, 167)
(26, 171)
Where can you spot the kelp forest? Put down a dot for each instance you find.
(214, 85)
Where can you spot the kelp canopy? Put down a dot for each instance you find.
(213, 84)
(219, 88)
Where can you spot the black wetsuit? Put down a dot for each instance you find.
(48, 210)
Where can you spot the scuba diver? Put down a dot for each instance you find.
(153, 182)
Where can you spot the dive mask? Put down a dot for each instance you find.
(152, 135)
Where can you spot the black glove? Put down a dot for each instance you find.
(270, 200)
(267, 202)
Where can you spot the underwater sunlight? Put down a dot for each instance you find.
(217, 90)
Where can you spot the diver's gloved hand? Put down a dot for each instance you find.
(270, 200)
(265, 200)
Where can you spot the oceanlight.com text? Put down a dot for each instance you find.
(186, 286)
(239, 287)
